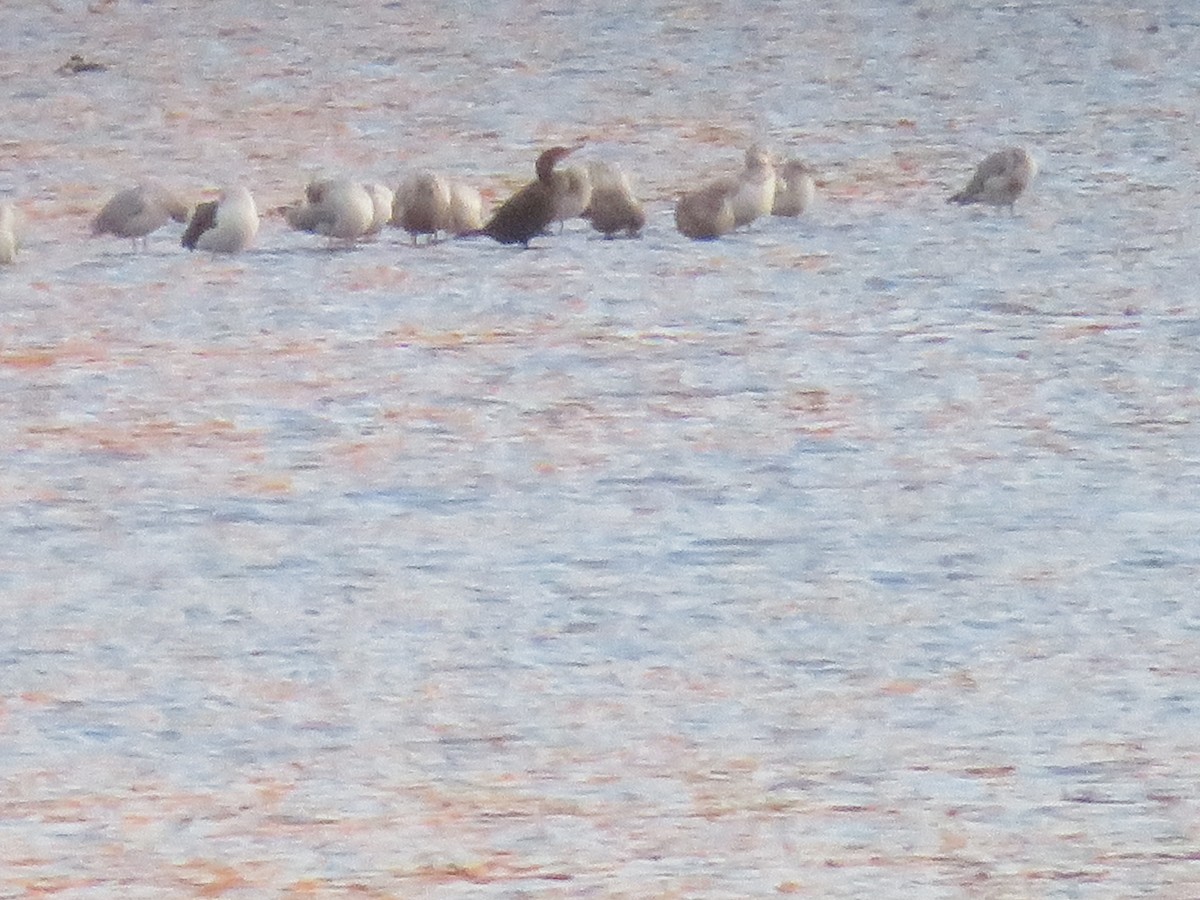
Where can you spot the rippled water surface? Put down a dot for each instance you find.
(854, 555)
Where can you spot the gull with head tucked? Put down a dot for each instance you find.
(1000, 179)
(466, 209)
(337, 208)
(422, 205)
(138, 211)
(613, 206)
(706, 212)
(226, 225)
(382, 199)
(10, 232)
(794, 188)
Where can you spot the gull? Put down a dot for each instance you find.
(1000, 179)
(226, 225)
(11, 227)
(753, 189)
(613, 207)
(706, 212)
(138, 211)
(382, 199)
(337, 208)
(794, 188)
(422, 205)
(466, 209)
(572, 193)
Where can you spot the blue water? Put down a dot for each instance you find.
(852, 554)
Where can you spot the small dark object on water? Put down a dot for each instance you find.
(76, 64)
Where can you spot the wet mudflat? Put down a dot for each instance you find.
(850, 555)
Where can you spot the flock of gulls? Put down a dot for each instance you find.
(431, 205)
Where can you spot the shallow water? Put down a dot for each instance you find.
(853, 554)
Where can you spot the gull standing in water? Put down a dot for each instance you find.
(753, 189)
(572, 193)
(794, 188)
(227, 225)
(138, 211)
(382, 199)
(339, 209)
(613, 206)
(706, 212)
(10, 232)
(1000, 179)
(466, 209)
(422, 205)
